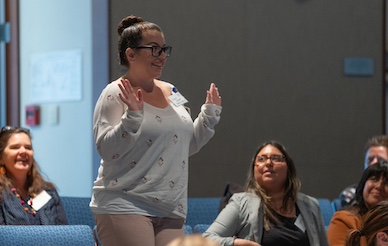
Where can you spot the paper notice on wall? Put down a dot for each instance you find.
(56, 77)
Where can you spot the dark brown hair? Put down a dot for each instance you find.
(377, 141)
(374, 221)
(291, 189)
(130, 31)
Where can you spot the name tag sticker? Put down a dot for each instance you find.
(40, 200)
(299, 223)
(177, 99)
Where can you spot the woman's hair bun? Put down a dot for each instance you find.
(128, 21)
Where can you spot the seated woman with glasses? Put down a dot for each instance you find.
(271, 211)
(372, 189)
(25, 197)
(374, 228)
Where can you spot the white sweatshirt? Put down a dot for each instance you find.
(144, 166)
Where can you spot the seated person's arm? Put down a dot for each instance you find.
(340, 226)
(228, 225)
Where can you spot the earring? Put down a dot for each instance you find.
(3, 170)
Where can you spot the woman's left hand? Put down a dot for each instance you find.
(213, 96)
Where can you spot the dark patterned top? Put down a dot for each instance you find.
(12, 211)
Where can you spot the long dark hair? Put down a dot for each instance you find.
(35, 181)
(291, 189)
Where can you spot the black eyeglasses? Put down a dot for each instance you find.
(157, 50)
(275, 159)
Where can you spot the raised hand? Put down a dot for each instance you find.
(213, 96)
(134, 100)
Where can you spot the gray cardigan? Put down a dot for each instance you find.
(243, 218)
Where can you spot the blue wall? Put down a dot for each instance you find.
(64, 148)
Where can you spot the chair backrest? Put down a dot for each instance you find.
(46, 235)
(203, 210)
(200, 228)
(336, 205)
(78, 211)
(188, 230)
(326, 210)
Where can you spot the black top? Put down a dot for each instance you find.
(286, 233)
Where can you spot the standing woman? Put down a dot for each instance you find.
(25, 197)
(272, 211)
(145, 136)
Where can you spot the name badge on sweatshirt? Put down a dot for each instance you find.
(176, 98)
(299, 223)
(40, 200)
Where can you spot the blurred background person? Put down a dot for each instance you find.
(374, 228)
(193, 240)
(25, 197)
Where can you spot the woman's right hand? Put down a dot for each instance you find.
(133, 100)
(244, 242)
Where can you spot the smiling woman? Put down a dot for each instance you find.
(372, 189)
(145, 135)
(25, 197)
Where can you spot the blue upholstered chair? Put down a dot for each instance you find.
(202, 210)
(200, 228)
(46, 235)
(326, 210)
(188, 230)
(336, 205)
(78, 211)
